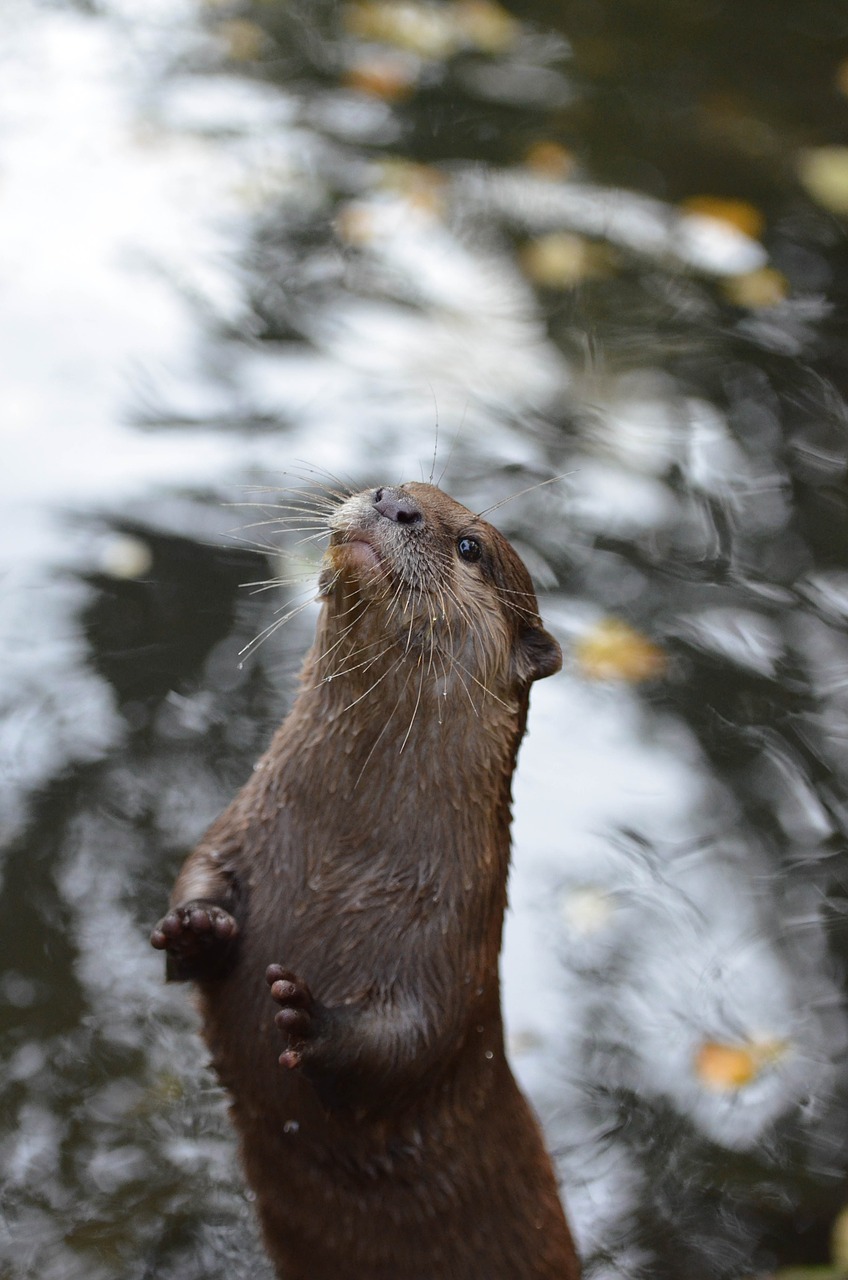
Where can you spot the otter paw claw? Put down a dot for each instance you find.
(193, 930)
(297, 1016)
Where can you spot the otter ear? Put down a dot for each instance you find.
(540, 654)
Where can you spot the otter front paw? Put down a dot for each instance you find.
(299, 1012)
(197, 937)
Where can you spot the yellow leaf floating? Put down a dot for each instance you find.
(486, 26)
(390, 78)
(765, 287)
(745, 217)
(422, 185)
(356, 224)
(824, 172)
(614, 651)
(421, 29)
(550, 160)
(243, 39)
(433, 31)
(727, 1067)
(562, 260)
(167, 1090)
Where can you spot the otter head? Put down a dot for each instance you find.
(411, 568)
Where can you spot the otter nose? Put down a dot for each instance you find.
(396, 505)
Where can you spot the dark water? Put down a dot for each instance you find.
(496, 217)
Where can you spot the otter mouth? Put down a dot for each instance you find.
(358, 550)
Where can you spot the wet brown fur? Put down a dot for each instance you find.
(369, 854)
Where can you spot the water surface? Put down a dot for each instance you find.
(247, 246)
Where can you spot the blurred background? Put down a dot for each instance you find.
(246, 247)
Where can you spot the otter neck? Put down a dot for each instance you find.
(406, 727)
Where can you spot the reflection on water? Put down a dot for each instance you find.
(598, 240)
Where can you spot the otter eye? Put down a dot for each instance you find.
(469, 548)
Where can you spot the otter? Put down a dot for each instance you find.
(358, 884)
